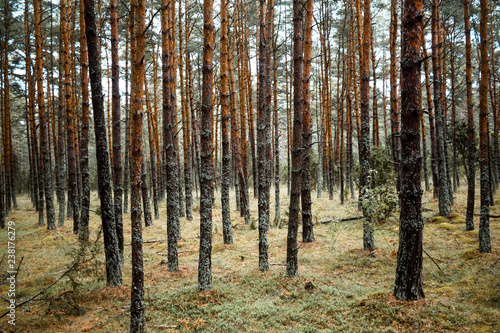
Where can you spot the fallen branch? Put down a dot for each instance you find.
(43, 291)
(435, 263)
(148, 242)
(345, 219)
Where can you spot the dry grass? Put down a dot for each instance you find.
(348, 290)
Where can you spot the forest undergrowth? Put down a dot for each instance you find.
(340, 287)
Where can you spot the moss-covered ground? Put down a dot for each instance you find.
(340, 287)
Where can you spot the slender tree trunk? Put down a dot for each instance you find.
(408, 284)
(471, 146)
(152, 149)
(113, 267)
(116, 132)
(137, 32)
(432, 125)
(126, 154)
(364, 150)
(44, 140)
(395, 117)
(186, 130)
(171, 160)
(242, 193)
(307, 222)
(263, 140)
(70, 128)
(484, 220)
(146, 204)
(206, 167)
(83, 226)
(226, 157)
(444, 200)
(297, 157)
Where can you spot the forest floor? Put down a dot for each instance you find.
(340, 287)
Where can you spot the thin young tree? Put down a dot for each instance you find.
(408, 284)
(484, 158)
(113, 267)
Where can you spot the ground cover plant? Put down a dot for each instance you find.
(340, 287)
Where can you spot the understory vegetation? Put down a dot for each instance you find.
(340, 287)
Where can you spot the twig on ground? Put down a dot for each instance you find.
(435, 263)
(345, 219)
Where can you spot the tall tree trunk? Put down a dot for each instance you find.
(432, 124)
(226, 157)
(408, 284)
(44, 140)
(263, 139)
(116, 132)
(126, 149)
(307, 222)
(364, 150)
(444, 200)
(395, 117)
(206, 167)
(137, 32)
(242, 193)
(113, 267)
(173, 206)
(83, 226)
(70, 128)
(471, 137)
(484, 220)
(186, 130)
(297, 158)
(152, 149)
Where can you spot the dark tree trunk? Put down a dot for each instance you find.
(484, 159)
(61, 175)
(44, 140)
(471, 146)
(83, 226)
(70, 128)
(206, 167)
(116, 132)
(307, 222)
(137, 23)
(226, 157)
(148, 218)
(263, 141)
(408, 284)
(113, 267)
(364, 149)
(173, 204)
(444, 199)
(297, 159)
(395, 116)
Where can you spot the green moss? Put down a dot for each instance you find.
(439, 219)
(447, 226)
